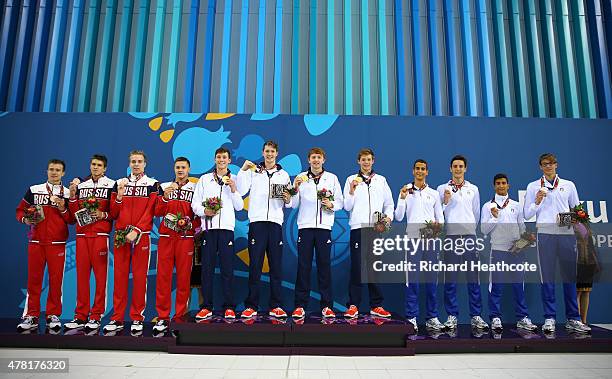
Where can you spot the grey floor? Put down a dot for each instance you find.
(124, 364)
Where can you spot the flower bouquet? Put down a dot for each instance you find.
(527, 238)
(325, 194)
(34, 214)
(178, 222)
(382, 223)
(213, 204)
(121, 236)
(432, 229)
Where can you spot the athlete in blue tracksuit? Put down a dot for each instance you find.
(545, 199)
(266, 182)
(315, 221)
(502, 219)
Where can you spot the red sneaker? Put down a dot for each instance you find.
(380, 312)
(248, 313)
(203, 314)
(328, 313)
(298, 313)
(229, 313)
(278, 312)
(352, 312)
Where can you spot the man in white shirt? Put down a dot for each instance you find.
(502, 219)
(364, 194)
(420, 203)
(266, 182)
(218, 226)
(315, 221)
(545, 199)
(461, 206)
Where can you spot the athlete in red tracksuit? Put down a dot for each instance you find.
(175, 246)
(132, 205)
(47, 245)
(92, 242)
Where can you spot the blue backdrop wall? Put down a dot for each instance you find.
(492, 145)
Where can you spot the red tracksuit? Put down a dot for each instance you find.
(92, 248)
(47, 246)
(136, 209)
(174, 249)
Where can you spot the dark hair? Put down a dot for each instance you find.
(500, 176)
(138, 152)
(270, 143)
(420, 161)
(57, 161)
(316, 150)
(363, 152)
(99, 157)
(458, 158)
(183, 159)
(549, 156)
(222, 150)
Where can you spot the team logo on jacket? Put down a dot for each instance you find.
(253, 241)
(230, 243)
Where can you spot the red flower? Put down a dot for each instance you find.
(181, 222)
(581, 214)
(91, 200)
(31, 209)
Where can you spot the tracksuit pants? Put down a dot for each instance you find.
(173, 251)
(360, 239)
(318, 241)
(498, 279)
(473, 280)
(413, 280)
(139, 256)
(53, 256)
(562, 248)
(218, 242)
(265, 238)
(91, 254)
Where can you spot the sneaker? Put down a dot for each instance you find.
(229, 314)
(248, 313)
(137, 326)
(161, 326)
(451, 322)
(496, 324)
(434, 324)
(74, 324)
(29, 323)
(549, 325)
(478, 333)
(327, 312)
(203, 314)
(53, 323)
(577, 326)
(413, 321)
(92, 326)
(277, 312)
(478, 323)
(526, 324)
(352, 312)
(298, 313)
(380, 312)
(113, 326)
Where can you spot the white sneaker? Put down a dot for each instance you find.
(74, 324)
(54, 323)
(137, 326)
(161, 326)
(577, 326)
(496, 324)
(451, 322)
(413, 321)
(29, 323)
(113, 326)
(92, 326)
(478, 323)
(549, 325)
(526, 324)
(434, 324)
